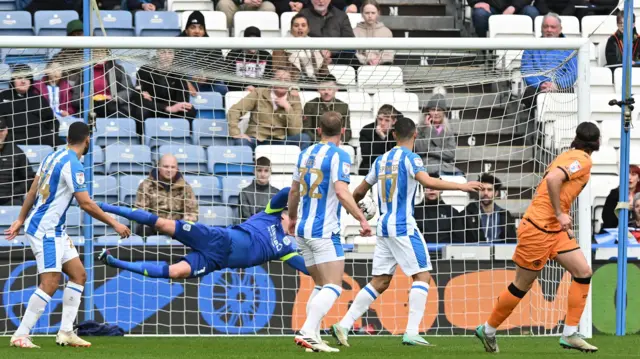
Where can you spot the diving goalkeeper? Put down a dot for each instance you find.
(260, 239)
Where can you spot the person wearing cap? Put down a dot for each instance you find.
(249, 63)
(15, 171)
(230, 7)
(439, 222)
(29, 116)
(75, 28)
(145, 5)
(436, 142)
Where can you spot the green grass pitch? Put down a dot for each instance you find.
(283, 347)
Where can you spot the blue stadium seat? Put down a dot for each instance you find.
(128, 187)
(157, 23)
(115, 22)
(65, 122)
(102, 229)
(36, 154)
(53, 23)
(208, 105)
(163, 131)
(105, 189)
(24, 56)
(19, 241)
(8, 5)
(98, 159)
(128, 159)
(161, 241)
(131, 69)
(116, 130)
(211, 132)
(15, 23)
(74, 221)
(231, 187)
(8, 214)
(206, 188)
(5, 76)
(227, 160)
(116, 241)
(216, 216)
(191, 158)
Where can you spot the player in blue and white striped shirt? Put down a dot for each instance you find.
(59, 179)
(397, 174)
(321, 187)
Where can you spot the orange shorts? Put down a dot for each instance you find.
(536, 246)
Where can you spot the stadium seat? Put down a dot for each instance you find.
(283, 157)
(8, 5)
(112, 241)
(161, 131)
(231, 187)
(24, 56)
(191, 158)
(102, 229)
(634, 154)
(381, 78)
(285, 22)
(105, 189)
(601, 111)
(65, 122)
(208, 105)
(407, 103)
(211, 133)
(19, 241)
(189, 5)
(601, 80)
(115, 23)
(570, 26)
(352, 155)
(98, 160)
(361, 110)
(354, 19)
(127, 159)
(128, 187)
(8, 214)
(53, 23)
(221, 216)
(554, 106)
(111, 131)
(74, 221)
(5, 76)
(36, 154)
(306, 96)
(131, 69)
(598, 28)
(227, 160)
(157, 23)
(15, 23)
(207, 189)
(230, 99)
(280, 181)
(611, 133)
(161, 241)
(216, 22)
(345, 75)
(267, 22)
(510, 26)
(605, 161)
(456, 199)
(617, 81)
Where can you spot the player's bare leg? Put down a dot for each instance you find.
(507, 301)
(417, 302)
(37, 304)
(576, 264)
(70, 304)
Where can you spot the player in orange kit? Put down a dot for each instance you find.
(545, 232)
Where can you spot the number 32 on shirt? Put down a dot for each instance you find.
(313, 189)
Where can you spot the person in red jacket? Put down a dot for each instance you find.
(56, 90)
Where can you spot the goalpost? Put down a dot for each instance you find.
(491, 130)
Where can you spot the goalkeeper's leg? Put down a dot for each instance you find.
(178, 270)
(165, 226)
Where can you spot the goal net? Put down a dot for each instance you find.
(218, 114)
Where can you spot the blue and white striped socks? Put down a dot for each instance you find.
(36, 306)
(360, 304)
(417, 302)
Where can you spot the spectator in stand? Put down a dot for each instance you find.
(28, 115)
(72, 58)
(613, 51)
(310, 64)
(348, 6)
(113, 89)
(376, 138)
(145, 5)
(255, 197)
(436, 142)
(325, 103)
(439, 222)
(16, 173)
(201, 59)
(609, 216)
(39, 5)
(371, 27)
(328, 21)
(577, 8)
(537, 64)
(166, 194)
(230, 7)
(249, 64)
(485, 220)
(109, 4)
(635, 223)
(75, 28)
(164, 94)
(56, 90)
(483, 9)
(276, 115)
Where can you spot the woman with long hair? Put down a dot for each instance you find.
(609, 216)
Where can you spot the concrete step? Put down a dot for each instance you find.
(414, 7)
(419, 23)
(467, 101)
(490, 139)
(494, 153)
(506, 126)
(443, 32)
(437, 57)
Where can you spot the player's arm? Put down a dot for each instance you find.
(348, 201)
(555, 178)
(361, 191)
(278, 203)
(436, 183)
(295, 261)
(30, 199)
(340, 177)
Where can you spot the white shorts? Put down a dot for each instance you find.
(52, 252)
(318, 250)
(408, 251)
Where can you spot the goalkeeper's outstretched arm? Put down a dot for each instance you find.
(295, 261)
(436, 183)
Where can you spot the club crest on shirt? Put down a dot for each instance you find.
(418, 162)
(186, 227)
(574, 167)
(346, 169)
(80, 178)
(286, 241)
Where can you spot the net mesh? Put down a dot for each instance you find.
(475, 115)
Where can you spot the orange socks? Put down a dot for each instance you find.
(578, 292)
(507, 301)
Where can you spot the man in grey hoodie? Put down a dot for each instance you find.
(255, 197)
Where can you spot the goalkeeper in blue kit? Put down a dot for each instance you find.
(260, 239)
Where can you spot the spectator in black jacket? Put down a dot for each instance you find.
(328, 21)
(145, 5)
(483, 9)
(485, 220)
(348, 6)
(438, 221)
(376, 138)
(249, 64)
(613, 51)
(28, 115)
(577, 8)
(256, 196)
(609, 216)
(15, 171)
